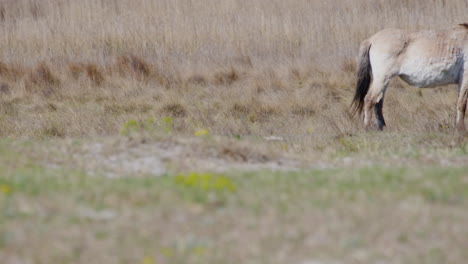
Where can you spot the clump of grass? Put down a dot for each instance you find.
(295, 74)
(129, 127)
(138, 68)
(201, 132)
(197, 79)
(2, 13)
(132, 126)
(305, 111)
(11, 72)
(52, 107)
(127, 108)
(235, 154)
(226, 77)
(8, 108)
(348, 144)
(147, 260)
(76, 69)
(133, 65)
(36, 9)
(167, 123)
(348, 65)
(53, 130)
(244, 153)
(253, 111)
(333, 95)
(262, 113)
(205, 188)
(94, 74)
(5, 189)
(206, 182)
(175, 110)
(43, 75)
(239, 110)
(5, 89)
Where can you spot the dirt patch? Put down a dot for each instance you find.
(169, 155)
(130, 158)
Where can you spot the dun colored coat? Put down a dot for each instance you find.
(423, 58)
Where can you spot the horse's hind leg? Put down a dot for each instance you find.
(379, 114)
(374, 99)
(461, 102)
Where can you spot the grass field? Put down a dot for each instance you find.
(65, 214)
(218, 131)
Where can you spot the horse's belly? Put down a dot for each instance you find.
(429, 73)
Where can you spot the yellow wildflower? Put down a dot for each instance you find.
(147, 260)
(167, 252)
(5, 189)
(201, 132)
(199, 251)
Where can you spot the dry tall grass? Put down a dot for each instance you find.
(234, 68)
(262, 67)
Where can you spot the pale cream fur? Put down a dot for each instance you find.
(421, 58)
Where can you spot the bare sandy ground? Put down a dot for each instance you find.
(125, 158)
(120, 156)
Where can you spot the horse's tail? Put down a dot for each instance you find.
(363, 78)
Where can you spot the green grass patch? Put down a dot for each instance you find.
(199, 217)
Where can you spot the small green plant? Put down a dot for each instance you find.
(149, 123)
(349, 145)
(129, 127)
(201, 132)
(5, 189)
(463, 149)
(147, 260)
(184, 250)
(166, 124)
(133, 125)
(205, 187)
(206, 182)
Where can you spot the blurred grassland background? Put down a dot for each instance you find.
(146, 131)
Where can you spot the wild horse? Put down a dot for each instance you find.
(421, 58)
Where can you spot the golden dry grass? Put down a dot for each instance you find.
(143, 88)
(258, 68)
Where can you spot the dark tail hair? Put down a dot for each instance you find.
(364, 76)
